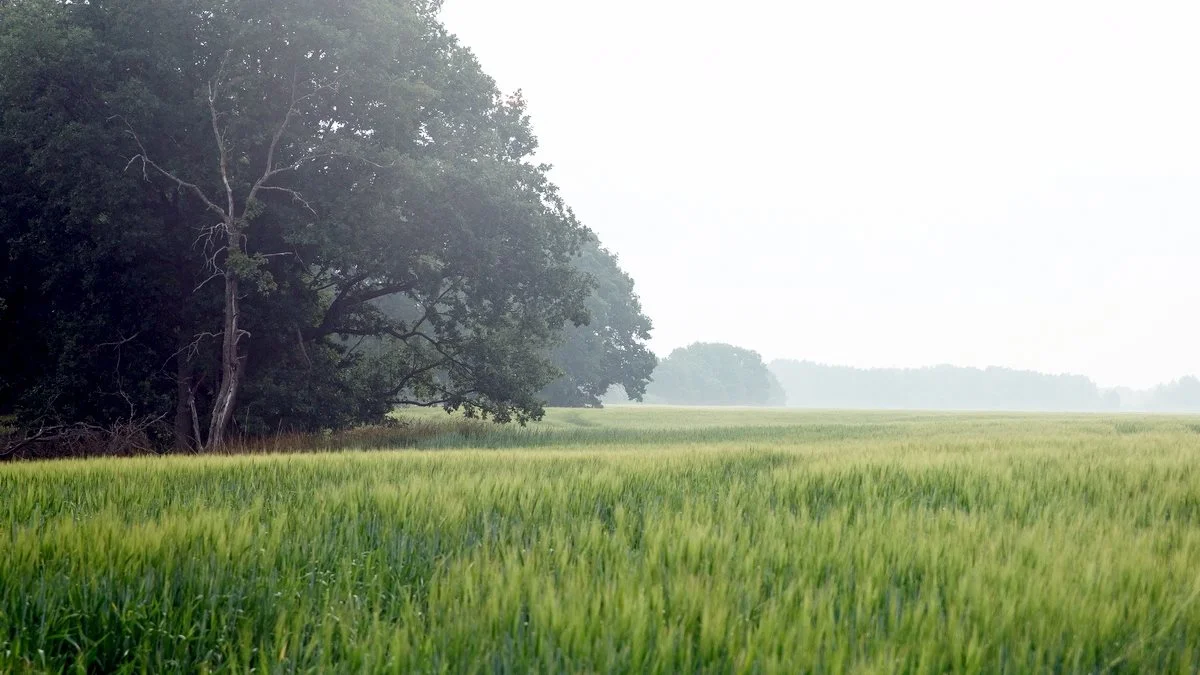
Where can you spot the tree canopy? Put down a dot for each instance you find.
(205, 202)
(714, 374)
(609, 350)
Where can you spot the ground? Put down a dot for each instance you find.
(633, 539)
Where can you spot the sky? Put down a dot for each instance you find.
(880, 184)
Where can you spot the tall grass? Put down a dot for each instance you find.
(628, 540)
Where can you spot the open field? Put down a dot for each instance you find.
(626, 539)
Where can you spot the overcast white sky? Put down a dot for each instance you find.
(881, 183)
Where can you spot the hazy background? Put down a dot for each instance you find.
(876, 183)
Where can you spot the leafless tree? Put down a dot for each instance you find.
(225, 240)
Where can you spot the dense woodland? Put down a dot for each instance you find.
(243, 217)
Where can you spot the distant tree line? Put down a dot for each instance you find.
(717, 374)
(814, 385)
(245, 217)
(1182, 395)
(722, 374)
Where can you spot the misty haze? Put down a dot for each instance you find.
(660, 336)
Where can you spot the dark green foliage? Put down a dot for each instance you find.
(714, 374)
(938, 388)
(86, 252)
(396, 169)
(610, 349)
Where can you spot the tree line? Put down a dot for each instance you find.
(1182, 395)
(814, 385)
(723, 374)
(251, 216)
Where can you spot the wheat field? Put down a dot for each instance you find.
(633, 539)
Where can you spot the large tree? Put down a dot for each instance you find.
(708, 373)
(610, 349)
(205, 200)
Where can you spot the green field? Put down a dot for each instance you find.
(626, 540)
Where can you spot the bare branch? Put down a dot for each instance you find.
(364, 160)
(44, 434)
(121, 341)
(269, 169)
(214, 275)
(76, 439)
(296, 196)
(219, 135)
(146, 161)
(303, 351)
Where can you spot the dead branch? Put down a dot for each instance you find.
(146, 161)
(47, 440)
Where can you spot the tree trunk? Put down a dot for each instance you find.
(231, 363)
(183, 396)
